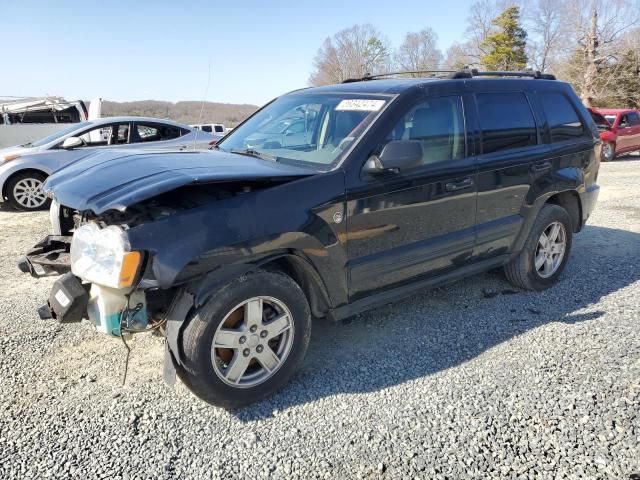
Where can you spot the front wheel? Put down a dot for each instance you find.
(545, 252)
(24, 191)
(247, 341)
(608, 152)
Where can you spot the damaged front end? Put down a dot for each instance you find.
(120, 244)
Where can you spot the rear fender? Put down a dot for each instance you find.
(568, 179)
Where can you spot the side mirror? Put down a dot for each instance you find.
(396, 155)
(72, 142)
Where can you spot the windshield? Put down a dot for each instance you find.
(57, 135)
(317, 129)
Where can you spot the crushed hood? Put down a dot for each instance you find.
(113, 180)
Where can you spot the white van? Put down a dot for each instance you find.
(211, 128)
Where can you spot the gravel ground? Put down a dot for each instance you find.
(475, 380)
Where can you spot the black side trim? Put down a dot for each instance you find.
(498, 229)
(403, 291)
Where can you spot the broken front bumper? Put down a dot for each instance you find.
(49, 256)
(68, 300)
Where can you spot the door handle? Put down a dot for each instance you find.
(541, 167)
(458, 185)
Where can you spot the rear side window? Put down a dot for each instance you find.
(206, 128)
(218, 128)
(634, 118)
(158, 132)
(506, 120)
(564, 123)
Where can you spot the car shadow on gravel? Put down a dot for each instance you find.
(449, 326)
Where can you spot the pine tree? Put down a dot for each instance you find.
(506, 47)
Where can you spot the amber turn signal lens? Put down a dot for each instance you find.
(130, 265)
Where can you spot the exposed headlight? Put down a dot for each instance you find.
(103, 256)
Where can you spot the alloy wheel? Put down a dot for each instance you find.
(28, 193)
(252, 342)
(607, 152)
(550, 249)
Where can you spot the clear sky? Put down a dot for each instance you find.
(143, 49)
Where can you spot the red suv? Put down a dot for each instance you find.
(619, 130)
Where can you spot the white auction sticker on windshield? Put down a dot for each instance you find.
(360, 105)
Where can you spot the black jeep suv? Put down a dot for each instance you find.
(387, 187)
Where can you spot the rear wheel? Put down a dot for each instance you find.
(608, 152)
(545, 253)
(247, 341)
(24, 191)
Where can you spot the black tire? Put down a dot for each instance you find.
(197, 371)
(20, 177)
(521, 271)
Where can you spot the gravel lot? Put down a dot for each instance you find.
(475, 380)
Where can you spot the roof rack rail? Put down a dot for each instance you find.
(368, 76)
(472, 72)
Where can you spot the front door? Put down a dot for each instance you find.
(628, 132)
(624, 132)
(418, 222)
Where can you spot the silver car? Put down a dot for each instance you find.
(24, 168)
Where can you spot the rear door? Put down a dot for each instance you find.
(418, 222)
(634, 125)
(512, 153)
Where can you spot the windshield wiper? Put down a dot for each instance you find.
(254, 153)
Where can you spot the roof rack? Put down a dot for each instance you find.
(368, 76)
(472, 72)
(453, 74)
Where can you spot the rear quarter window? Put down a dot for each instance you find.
(564, 123)
(506, 121)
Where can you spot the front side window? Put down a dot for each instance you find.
(564, 123)
(104, 135)
(438, 124)
(506, 121)
(314, 129)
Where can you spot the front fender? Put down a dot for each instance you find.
(246, 229)
(11, 167)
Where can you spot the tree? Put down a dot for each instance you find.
(597, 28)
(546, 21)
(350, 53)
(506, 46)
(419, 51)
(480, 26)
(456, 57)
